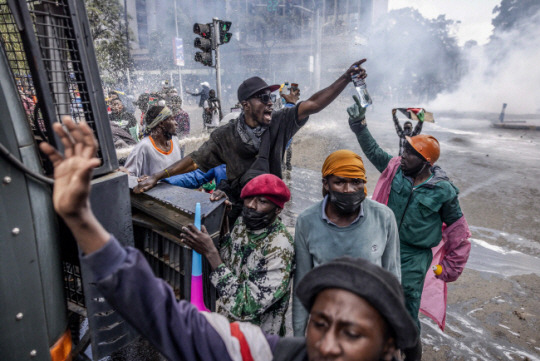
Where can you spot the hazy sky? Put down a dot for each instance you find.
(475, 15)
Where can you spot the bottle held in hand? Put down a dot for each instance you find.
(437, 269)
(361, 88)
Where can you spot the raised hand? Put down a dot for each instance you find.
(72, 175)
(357, 68)
(356, 111)
(73, 170)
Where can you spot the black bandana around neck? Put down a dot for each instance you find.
(250, 136)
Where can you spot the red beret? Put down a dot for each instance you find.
(269, 186)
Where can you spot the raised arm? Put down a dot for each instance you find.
(357, 122)
(418, 128)
(399, 130)
(72, 175)
(324, 97)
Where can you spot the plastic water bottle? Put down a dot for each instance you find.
(361, 88)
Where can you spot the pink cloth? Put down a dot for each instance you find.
(451, 253)
(197, 297)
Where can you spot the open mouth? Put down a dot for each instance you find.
(267, 115)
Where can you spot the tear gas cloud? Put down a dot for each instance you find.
(505, 71)
(412, 61)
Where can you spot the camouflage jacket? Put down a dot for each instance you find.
(254, 280)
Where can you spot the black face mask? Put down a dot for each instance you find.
(347, 203)
(257, 220)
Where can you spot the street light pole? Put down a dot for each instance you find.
(127, 41)
(215, 41)
(179, 72)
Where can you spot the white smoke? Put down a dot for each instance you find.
(512, 76)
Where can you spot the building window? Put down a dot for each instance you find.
(142, 23)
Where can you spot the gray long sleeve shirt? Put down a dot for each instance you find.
(373, 237)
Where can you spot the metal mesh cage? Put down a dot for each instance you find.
(60, 81)
(59, 51)
(14, 49)
(63, 78)
(73, 284)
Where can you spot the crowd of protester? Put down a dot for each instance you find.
(357, 266)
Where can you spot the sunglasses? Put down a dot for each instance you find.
(264, 97)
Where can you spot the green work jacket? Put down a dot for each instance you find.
(420, 212)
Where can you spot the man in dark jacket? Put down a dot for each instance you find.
(357, 309)
(255, 142)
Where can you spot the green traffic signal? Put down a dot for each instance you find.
(224, 36)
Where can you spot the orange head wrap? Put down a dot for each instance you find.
(344, 163)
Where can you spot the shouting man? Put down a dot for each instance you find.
(258, 133)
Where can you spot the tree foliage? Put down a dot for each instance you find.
(516, 24)
(511, 13)
(108, 30)
(413, 56)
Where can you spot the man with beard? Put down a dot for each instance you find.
(159, 147)
(344, 223)
(422, 198)
(357, 308)
(255, 142)
(253, 268)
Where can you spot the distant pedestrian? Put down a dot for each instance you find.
(290, 101)
(406, 131)
(204, 93)
(211, 111)
(181, 117)
(121, 117)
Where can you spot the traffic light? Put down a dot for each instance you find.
(204, 43)
(224, 36)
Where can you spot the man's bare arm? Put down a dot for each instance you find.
(324, 97)
(182, 166)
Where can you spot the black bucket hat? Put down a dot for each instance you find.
(252, 86)
(374, 284)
